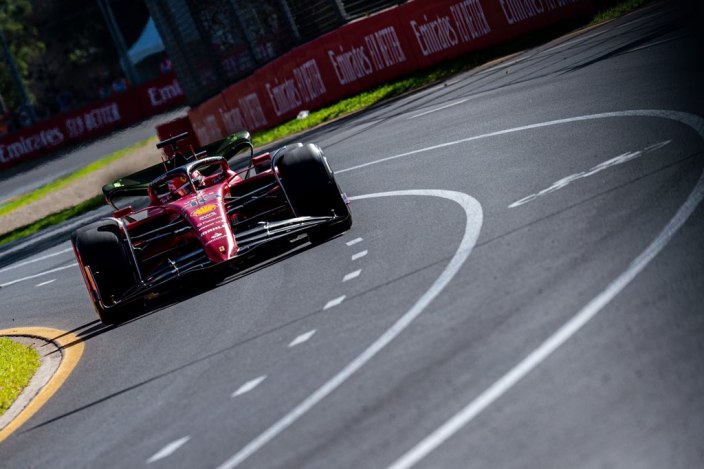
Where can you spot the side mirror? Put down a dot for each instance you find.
(234, 144)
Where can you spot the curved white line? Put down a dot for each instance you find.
(473, 212)
(691, 120)
(571, 327)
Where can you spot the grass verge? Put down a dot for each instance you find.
(356, 103)
(53, 219)
(619, 9)
(18, 363)
(47, 189)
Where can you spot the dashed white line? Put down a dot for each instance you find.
(354, 241)
(169, 449)
(334, 302)
(20, 264)
(38, 275)
(301, 338)
(352, 275)
(359, 255)
(45, 283)
(473, 225)
(248, 386)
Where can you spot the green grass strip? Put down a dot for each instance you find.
(53, 219)
(18, 363)
(619, 9)
(359, 102)
(47, 189)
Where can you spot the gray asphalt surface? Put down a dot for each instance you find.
(617, 234)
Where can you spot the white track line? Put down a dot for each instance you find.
(333, 303)
(45, 283)
(672, 115)
(571, 327)
(38, 275)
(354, 241)
(458, 259)
(473, 225)
(439, 108)
(359, 255)
(352, 275)
(169, 449)
(301, 338)
(20, 264)
(248, 386)
(603, 166)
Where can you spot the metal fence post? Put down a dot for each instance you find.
(340, 10)
(119, 42)
(283, 4)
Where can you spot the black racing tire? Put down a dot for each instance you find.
(312, 190)
(101, 247)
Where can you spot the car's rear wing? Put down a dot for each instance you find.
(136, 184)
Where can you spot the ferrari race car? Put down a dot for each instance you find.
(195, 212)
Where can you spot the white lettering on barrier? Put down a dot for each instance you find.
(516, 11)
(465, 23)
(158, 96)
(435, 35)
(203, 133)
(385, 48)
(470, 20)
(247, 116)
(27, 145)
(93, 119)
(252, 111)
(233, 119)
(381, 49)
(350, 65)
(309, 81)
(211, 129)
(284, 97)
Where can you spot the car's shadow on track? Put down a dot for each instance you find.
(95, 328)
(189, 288)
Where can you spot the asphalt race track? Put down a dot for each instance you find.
(522, 287)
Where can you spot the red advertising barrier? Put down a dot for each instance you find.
(74, 126)
(30, 143)
(176, 127)
(246, 107)
(160, 95)
(372, 51)
(120, 110)
(207, 120)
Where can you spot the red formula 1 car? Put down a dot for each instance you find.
(200, 212)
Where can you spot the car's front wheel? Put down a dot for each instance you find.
(100, 248)
(312, 190)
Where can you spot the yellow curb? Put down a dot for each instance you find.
(71, 350)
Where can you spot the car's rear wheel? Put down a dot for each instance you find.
(101, 248)
(312, 190)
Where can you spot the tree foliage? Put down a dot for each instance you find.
(23, 42)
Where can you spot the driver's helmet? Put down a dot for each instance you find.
(198, 178)
(178, 186)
